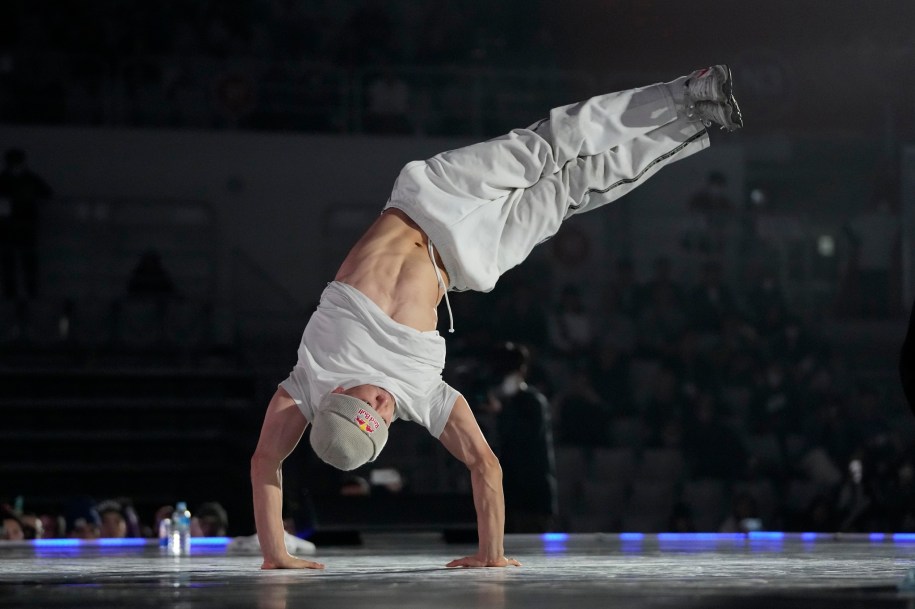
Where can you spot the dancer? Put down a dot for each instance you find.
(371, 354)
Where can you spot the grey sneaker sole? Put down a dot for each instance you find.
(728, 90)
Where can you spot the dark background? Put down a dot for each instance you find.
(194, 129)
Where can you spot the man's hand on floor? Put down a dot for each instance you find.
(291, 562)
(476, 562)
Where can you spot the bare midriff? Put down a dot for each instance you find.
(390, 264)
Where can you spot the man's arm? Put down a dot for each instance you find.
(463, 439)
(283, 427)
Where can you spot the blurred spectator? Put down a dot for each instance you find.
(163, 512)
(118, 518)
(907, 362)
(774, 401)
(32, 526)
(584, 414)
(149, 278)
(854, 503)
(660, 324)
(626, 290)
(82, 519)
(355, 486)
(11, 529)
(210, 520)
(820, 515)
(665, 400)
(873, 238)
(52, 526)
(525, 444)
(613, 326)
(662, 279)
(865, 416)
(902, 510)
(681, 519)
(691, 365)
(611, 374)
(717, 209)
(763, 295)
(744, 516)
(669, 435)
(386, 481)
(113, 522)
(570, 327)
(829, 427)
(710, 300)
(21, 192)
(713, 449)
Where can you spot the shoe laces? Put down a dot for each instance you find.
(705, 85)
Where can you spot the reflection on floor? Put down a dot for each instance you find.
(406, 571)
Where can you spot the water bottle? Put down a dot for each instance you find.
(165, 532)
(179, 543)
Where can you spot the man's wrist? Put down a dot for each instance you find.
(491, 553)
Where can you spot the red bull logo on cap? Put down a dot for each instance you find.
(366, 422)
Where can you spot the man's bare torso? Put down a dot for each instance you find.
(390, 264)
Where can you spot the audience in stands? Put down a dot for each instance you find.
(111, 518)
(740, 388)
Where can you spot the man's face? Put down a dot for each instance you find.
(113, 525)
(11, 530)
(376, 397)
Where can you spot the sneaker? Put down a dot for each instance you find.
(710, 84)
(726, 115)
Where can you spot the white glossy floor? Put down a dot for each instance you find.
(404, 572)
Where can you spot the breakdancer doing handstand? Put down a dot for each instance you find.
(371, 354)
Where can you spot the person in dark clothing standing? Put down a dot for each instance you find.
(907, 362)
(21, 191)
(525, 444)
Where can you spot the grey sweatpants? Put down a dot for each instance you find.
(486, 206)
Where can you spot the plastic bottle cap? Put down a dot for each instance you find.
(181, 506)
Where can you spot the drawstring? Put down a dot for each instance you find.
(441, 283)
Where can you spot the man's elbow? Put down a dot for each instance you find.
(262, 462)
(488, 466)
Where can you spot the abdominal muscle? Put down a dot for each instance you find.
(390, 264)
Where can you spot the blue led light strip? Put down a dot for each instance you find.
(751, 536)
(127, 542)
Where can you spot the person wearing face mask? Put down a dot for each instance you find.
(525, 440)
(21, 192)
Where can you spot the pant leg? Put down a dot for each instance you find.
(487, 205)
(587, 183)
(492, 169)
